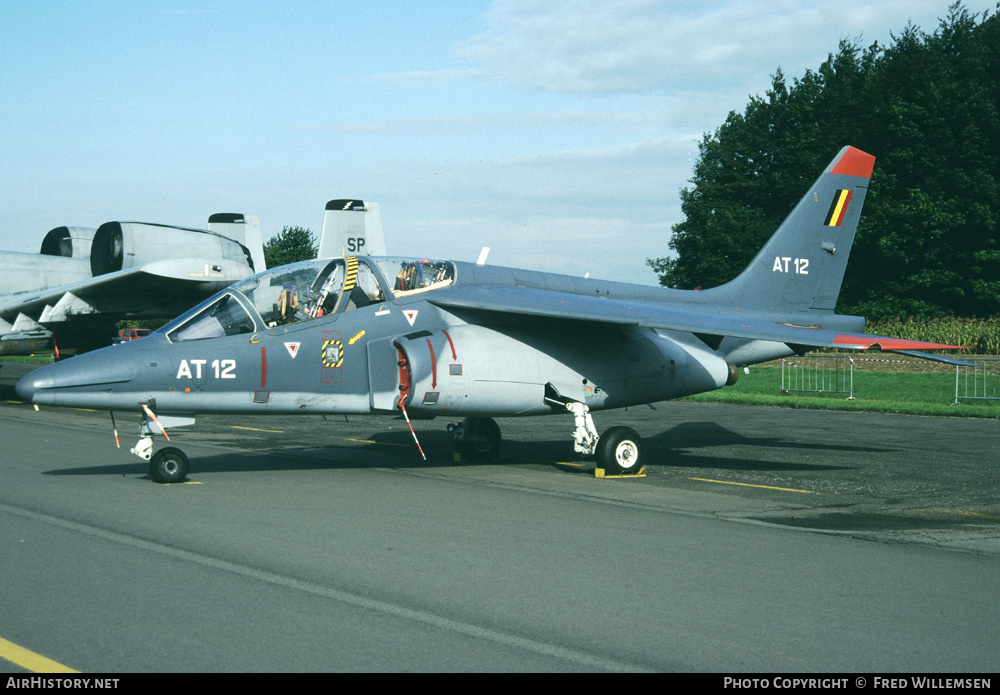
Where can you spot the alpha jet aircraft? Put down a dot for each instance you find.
(443, 338)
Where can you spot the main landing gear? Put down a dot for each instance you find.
(476, 439)
(618, 451)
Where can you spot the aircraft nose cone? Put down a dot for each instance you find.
(79, 381)
(25, 387)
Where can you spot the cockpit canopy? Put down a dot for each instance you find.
(308, 290)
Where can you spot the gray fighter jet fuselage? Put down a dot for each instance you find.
(443, 338)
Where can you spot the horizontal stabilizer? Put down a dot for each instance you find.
(935, 358)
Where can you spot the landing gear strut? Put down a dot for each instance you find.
(168, 465)
(477, 438)
(618, 450)
(584, 434)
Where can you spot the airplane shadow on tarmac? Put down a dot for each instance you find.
(396, 449)
(672, 448)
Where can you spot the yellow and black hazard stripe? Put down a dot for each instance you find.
(838, 208)
(351, 278)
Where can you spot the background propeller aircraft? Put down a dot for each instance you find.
(84, 281)
(351, 227)
(72, 294)
(443, 338)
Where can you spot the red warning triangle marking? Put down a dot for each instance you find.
(293, 349)
(411, 315)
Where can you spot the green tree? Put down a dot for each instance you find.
(756, 166)
(928, 244)
(928, 108)
(291, 245)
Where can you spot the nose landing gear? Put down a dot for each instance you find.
(170, 464)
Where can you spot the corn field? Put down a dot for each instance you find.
(981, 335)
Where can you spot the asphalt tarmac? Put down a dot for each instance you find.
(760, 539)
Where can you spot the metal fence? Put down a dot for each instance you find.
(978, 382)
(818, 374)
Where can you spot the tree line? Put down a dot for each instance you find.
(291, 245)
(928, 108)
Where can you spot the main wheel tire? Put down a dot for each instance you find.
(619, 450)
(169, 465)
(481, 441)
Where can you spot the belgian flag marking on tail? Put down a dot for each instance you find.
(838, 208)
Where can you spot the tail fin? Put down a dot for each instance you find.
(801, 267)
(244, 229)
(351, 228)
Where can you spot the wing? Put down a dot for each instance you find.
(674, 316)
(161, 289)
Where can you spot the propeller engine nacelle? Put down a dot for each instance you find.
(121, 245)
(68, 242)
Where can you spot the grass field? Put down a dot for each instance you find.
(42, 358)
(914, 393)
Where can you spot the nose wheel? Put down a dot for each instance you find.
(168, 465)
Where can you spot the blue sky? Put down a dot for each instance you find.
(558, 134)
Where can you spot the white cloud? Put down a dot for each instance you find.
(591, 46)
(610, 246)
(428, 75)
(487, 122)
(598, 210)
(559, 135)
